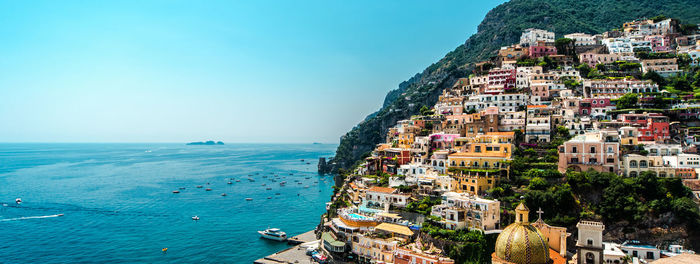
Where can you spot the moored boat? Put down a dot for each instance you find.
(273, 234)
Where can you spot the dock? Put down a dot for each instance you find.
(302, 238)
(292, 255)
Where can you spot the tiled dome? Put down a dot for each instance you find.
(522, 243)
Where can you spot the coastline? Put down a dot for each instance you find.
(294, 254)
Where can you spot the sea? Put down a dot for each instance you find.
(118, 206)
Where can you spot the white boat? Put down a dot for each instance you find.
(195, 218)
(273, 234)
(248, 199)
(18, 200)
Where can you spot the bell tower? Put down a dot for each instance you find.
(589, 246)
(521, 213)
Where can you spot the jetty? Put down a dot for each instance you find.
(295, 254)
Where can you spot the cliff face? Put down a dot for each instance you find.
(502, 26)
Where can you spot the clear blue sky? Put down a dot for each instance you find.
(237, 71)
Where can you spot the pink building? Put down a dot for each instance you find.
(659, 42)
(500, 80)
(596, 150)
(443, 141)
(541, 49)
(593, 59)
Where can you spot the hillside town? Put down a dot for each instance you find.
(504, 167)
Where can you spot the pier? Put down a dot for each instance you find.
(296, 254)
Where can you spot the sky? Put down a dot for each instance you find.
(238, 71)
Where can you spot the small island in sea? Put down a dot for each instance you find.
(210, 142)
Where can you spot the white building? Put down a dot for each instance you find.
(636, 249)
(509, 121)
(383, 197)
(463, 210)
(532, 35)
(581, 39)
(504, 102)
(682, 161)
(618, 45)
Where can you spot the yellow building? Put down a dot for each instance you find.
(628, 136)
(481, 163)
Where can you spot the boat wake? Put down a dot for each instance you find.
(30, 217)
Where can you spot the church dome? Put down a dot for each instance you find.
(522, 243)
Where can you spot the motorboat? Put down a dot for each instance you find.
(18, 200)
(268, 188)
(223, 194)
(229, 182)
(273, 234)
(199, 186)
(176, 191)
(182, 188)
(195, 218)
(248, 199)
(207, 189)
(238, 180)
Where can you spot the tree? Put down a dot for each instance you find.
(538, 183)
(626, 101)
(680, 82)
(584, 69)
(426, 111)
(655, 77)
(565, 46)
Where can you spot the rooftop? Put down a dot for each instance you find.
(381, 189)
(393, 228)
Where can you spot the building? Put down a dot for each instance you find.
(640, 250)
(582, 39)
(539, 123)
(484, 161)
(596, 150)
(512, 52)
(415, 255)
(589, 246)
(653, 127)
(541, 49)
(614, 88)
(504, 102)
(522, 242)
(664, 67)
(593, 59)
(462, 210)
(509, 121)
(622, 46)
(383, 197)
(500, 80)
(634, 164)
(532, 35)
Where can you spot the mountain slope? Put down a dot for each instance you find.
(501, 26)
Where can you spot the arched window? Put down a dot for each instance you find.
(643, 164)
(590, 258)
(633, 174)
(633, 164)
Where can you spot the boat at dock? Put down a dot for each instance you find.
(273, 234)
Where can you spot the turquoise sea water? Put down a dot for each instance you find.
(119, 207)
